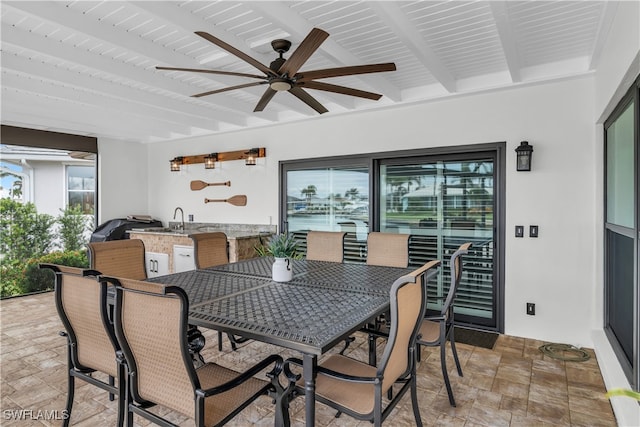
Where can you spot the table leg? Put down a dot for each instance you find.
(372, 350)
(309, 365)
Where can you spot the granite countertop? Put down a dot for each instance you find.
(233, 231)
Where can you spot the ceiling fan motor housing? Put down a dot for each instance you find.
(281, 45)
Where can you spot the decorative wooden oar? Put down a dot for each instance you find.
(237, 200)
(199, 185)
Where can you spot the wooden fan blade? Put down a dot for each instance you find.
(266, 97)
(232, 50)
(340, 89)
(309, 45)
(237, 200)
(211, 92)
(303, 96)
(224, 73)
(345, 71)
(199, 185)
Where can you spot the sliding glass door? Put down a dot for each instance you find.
(622, 234)
(441, 197)
(328, 196)
(442, 202)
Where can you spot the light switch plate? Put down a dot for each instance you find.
(519, 230)
(533, 231)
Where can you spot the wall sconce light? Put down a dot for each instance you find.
(251, 157)
(176, 162)
(524, 153)
(210, 161)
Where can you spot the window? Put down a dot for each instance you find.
(12, 181)
(440, 197)
(622, 219)
(332, 197)
(81, 185)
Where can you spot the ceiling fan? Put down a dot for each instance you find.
(283, 75)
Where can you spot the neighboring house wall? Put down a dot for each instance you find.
(44, 175)
(49, 181)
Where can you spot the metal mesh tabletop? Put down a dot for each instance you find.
(262, 266)
(352, 277)
(308, 319)
(324, 302)
(203, 286)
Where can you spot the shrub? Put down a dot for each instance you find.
(24, 233)
(11, 278)
(19, 278)
(73, 225)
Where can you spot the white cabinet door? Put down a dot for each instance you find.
(157, 263)
(183, 259)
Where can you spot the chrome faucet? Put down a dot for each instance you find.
(181, 226)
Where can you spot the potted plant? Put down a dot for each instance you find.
(283, 247)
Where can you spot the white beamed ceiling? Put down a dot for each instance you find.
(88, 68)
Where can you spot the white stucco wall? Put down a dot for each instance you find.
(554, 271)
(618, 54)
(122, 182)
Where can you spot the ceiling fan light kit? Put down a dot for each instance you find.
(280, 85)
(283, 75)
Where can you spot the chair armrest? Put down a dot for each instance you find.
(244, 376)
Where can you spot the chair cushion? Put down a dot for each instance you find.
(325, 246)
(355, 396)
(388, 249)
(220, 405)
(430, 332)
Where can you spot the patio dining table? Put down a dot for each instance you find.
(323, 304)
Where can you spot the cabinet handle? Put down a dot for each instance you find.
(187, 255)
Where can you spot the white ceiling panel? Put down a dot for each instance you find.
(89, 67)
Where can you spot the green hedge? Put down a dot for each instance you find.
(23, 278)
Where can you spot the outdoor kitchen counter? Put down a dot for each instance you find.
(242, 240)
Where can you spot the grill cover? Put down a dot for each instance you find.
(115, 229)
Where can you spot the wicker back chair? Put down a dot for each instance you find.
(121, 258)
(210, 249)
(388, 249)
(437, 330)
(81, 302)
(325, 246)
(151, 327)
(356, 388)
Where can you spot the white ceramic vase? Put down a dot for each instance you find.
(282, 271)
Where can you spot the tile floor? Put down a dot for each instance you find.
(511, 385)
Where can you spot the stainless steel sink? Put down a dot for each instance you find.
(208, 229)
(161, 230)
